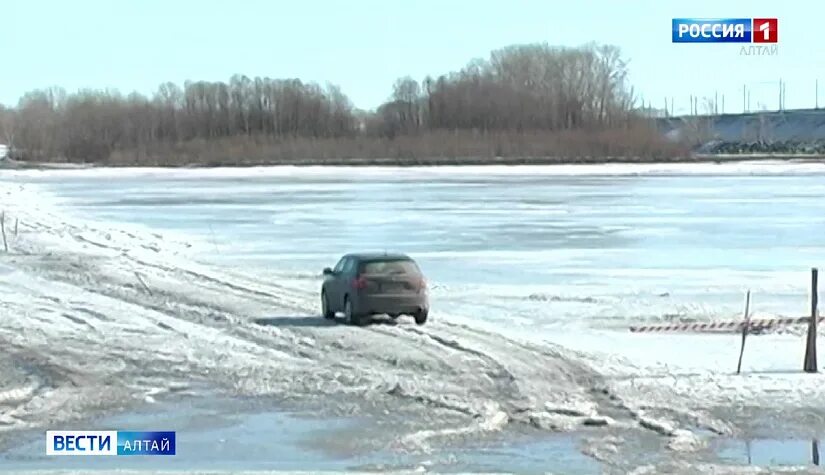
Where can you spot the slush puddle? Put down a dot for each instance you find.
(230, 435)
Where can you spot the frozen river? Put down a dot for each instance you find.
(525, 264)
(533, 248)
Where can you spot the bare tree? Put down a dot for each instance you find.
(406, 96)
(8, 125)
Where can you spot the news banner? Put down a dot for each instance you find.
(109, 442)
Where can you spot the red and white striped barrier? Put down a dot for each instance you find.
(722, 326)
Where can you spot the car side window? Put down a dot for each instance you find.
(349, 266)
(340, 266)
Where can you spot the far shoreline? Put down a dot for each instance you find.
(425, 162)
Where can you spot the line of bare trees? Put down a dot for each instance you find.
(90, 125)
(518, 90)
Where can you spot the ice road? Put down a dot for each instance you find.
(123, 287)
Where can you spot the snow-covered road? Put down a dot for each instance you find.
(83, 333)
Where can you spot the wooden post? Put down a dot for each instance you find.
(810, 347)
(745, 328)
(3, 229)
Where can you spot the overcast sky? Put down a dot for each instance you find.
(364, 45)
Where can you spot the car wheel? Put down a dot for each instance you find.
(350, 315)
(325, 309)
(421, 317)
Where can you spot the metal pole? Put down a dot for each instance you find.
(745, 329)
(810, 347)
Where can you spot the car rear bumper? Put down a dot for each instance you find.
(390, 304)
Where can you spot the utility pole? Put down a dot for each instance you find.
(780, 94)
(744, 109)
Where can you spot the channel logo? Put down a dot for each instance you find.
(109, 442)
(725, 30)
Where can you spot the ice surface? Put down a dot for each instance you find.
(530, 307)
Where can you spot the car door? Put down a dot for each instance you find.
(347, 275)
(334, 286)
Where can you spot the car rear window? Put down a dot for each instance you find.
(394, 266)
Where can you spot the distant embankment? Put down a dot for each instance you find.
(779, 132)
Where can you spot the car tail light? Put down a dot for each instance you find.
(359, 282)
(422, 284)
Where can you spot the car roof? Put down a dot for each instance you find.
(374, 256)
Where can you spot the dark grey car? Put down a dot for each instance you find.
(362, 285)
